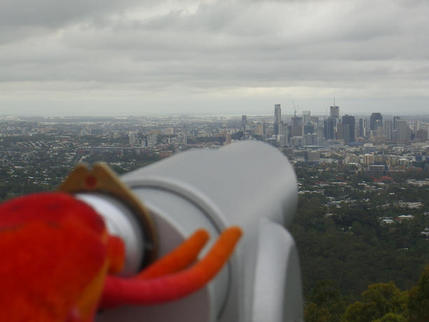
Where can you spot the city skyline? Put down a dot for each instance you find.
(313, 130)
(167, 57)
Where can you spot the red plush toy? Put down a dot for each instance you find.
(57, 262)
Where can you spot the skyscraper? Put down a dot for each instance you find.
(244, 123)
(297, 126)
(330, 126)
(309, 128)
(362, 128)
(395, 122)
(348, 123)
(375, 121)
(306, 116)
(388, 129)
(277, 118)
(404, 132)
(334, 111)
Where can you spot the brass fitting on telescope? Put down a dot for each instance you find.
(102, 179)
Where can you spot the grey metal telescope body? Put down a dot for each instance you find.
(249, 184)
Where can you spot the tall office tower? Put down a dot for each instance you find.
(306, 116)
(404, 132)
(361, 129)
(388, 129)
(297, 126)
(244, 122)
(339, 133)
(285, 130)
(283, 137)
(330, 126)
(320, 131)
(395, 122)
(334, 111)
(375, 121)
(348, 123)
(309, 128)
(277, 118)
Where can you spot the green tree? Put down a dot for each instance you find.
(325, 303)
(378, 301)
(392, 317)
(316, 313)
(418, 304)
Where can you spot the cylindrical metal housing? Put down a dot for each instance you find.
(247, 184)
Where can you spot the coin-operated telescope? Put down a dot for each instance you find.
(248, 184)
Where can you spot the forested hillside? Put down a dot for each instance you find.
(362, 240)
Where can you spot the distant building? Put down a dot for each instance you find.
(425, 232)
(297, 141)
(311, 139)
(387, 221)
(348, 124)
(402, 218)
(277, 118)
(362, 128)
(244, 122)
(334, 112)
(308, 128)
(259, 129)
(403, 135)
(376, 170)
(388, 129)
(306, 115)
(368, 159)
(330, 128)
(297, 126)
(422, 135)
(282, 140)
(395, 122)
(312, 156)
(339, 133)
(285, 130)
(152, 140)
(375, 121)
(228, 139)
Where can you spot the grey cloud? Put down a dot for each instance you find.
(20, 19)
(56, 12)
(352, 47)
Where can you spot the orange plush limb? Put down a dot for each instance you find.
(174, 286)
(179, 258)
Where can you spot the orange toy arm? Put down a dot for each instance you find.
(119, 291)
(179, 258)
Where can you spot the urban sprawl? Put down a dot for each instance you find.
(376, 144)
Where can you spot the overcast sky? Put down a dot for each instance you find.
(122, 57)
